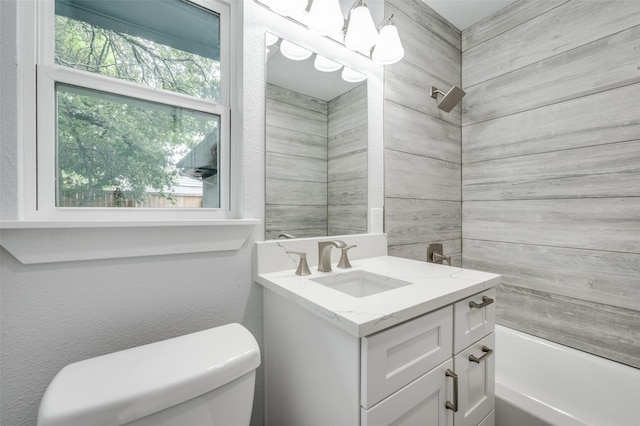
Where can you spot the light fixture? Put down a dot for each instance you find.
(286, 7)
(352, 76)
(358, 33)
(324, 64)
(271, 39)
(361, 31)
(325, 17)
(293, 51)
(388, 49)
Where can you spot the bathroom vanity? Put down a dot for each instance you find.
(389, 341)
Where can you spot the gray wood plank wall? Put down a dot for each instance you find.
(551, 169)
(347, 163)
(316, 163)
(422, 143)
(296, 164)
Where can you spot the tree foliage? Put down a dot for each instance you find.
(109, 143)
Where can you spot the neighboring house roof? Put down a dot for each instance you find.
(202, 161)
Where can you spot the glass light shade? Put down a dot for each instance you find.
(293, 51)
(361, 31)
(325, 17)
(286, 7)
(388, 49)
(271, 39)
(352, 76)
(324, 64)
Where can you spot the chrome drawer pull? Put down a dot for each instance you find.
(487, 351)
(453, 406)
(485, 301)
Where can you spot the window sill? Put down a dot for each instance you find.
(46, 242)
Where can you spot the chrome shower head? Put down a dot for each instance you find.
(451, 98)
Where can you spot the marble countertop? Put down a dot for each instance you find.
(432, 286)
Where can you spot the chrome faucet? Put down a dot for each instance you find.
(324, 254)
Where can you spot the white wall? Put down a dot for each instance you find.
(8, 128)
(55, 314)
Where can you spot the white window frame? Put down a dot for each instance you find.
(39, 75)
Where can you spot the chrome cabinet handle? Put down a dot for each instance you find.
(487, 351)
(453, 405)
(485, 301)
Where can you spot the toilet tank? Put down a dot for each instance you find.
(189, 375)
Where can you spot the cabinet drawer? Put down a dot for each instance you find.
(476, 388)
(395, 357)
(420, 403)
(475, 317)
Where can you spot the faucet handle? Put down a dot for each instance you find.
(303, 266)
(344, 259)
(439, 258)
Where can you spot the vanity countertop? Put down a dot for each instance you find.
(432, 286)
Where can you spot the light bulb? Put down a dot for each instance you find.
(271, 39)
(325, 17)
(293, 51)
(325, 64)
(352, 76)
(388, 50)
(361, 31)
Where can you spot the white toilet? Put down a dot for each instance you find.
(201, 379)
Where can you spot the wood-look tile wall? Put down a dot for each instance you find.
(347, 163)
(422, 143)
(316, 163)
(551, 169)
(296, 163)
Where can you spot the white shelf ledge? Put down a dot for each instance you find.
(34, 242)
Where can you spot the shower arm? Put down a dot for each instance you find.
(435, 92)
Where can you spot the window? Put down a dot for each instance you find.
(133, 109)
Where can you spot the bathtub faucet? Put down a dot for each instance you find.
(436, 255)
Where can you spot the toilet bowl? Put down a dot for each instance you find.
(201, 379)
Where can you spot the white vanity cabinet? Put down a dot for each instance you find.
(318, 374)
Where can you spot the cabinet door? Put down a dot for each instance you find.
(475, 367)
(395, 357)
(490, 420)
(474, 318)
(418, 404)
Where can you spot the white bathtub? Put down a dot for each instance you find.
(539, 382)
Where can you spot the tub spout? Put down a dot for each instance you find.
(324, 254)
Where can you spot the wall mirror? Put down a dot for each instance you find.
(316, 144)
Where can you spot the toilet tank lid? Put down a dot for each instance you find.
(123, 386)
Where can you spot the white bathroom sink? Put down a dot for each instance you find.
(360, 283)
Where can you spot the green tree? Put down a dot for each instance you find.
(118, 145)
